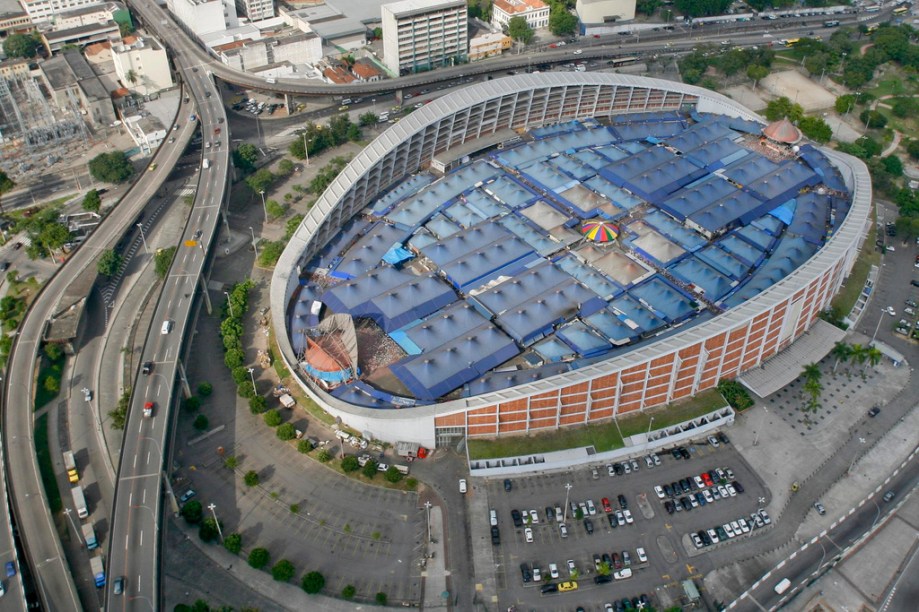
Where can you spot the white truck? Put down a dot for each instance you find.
(206, 163)
(287, 401)
(79, 501)
(89, 535)
(98, 570)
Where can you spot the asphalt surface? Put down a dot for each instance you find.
(671, 555)
(55, 583)
(135, 537)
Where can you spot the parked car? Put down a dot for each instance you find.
(187, 495)
(642, 556)
(534, 517)
(713, 441)
(515, 516)
(563, 530)
(659, 491)
(553, 570)
(525, 572)
(737, 487)
(819, 508)
(588, 525)
(874, 411)
(495, 536)
(528, 533)
(462, 485)
(606, 505)
(628, 516)
(623, 502)
(549, 588)
(507, 485)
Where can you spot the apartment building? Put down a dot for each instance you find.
(535, 12)
(204, 16)
(255, 10)
(142, 65)
(421, 35)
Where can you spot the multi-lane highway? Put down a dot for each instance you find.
(27, 495)
(134, 536)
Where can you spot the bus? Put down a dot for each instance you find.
(901, 10)
(622, 61)
(831, 24)
(874, 8)
(791, 42)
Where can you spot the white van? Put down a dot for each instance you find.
(493, 518)
(783, 586)
(167, 327)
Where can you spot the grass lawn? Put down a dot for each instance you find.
(602, 437)
(848, 295)
(45, 465)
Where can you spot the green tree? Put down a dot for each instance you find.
(647, 7)
(286, 432)
(348, 592)
(6, 184)
(251, 478)
(259, 558)
(205, 388)
(381, 599)
(257, 404)
(313, 582)
(270, 253)
(561, 22)
(285, 167)
(291, 226)
(392, 474)
(201, 422)
(893, 165)
(370, 469)
(162, 260)
(304, 446)
(816, 129)
(233, 543)
(350, 464)
(109, 262)
(91, 201)
(53, 236)
(903, 107)
(22, 45)
(114, 167)
(912, 147)
(231, 462)
(519, 30)
(873, 119)
(209, 530)
(53, 351)
(702, 8)
(275, 209)
(245, 156)
(757, 73)
(261, 180)
(783, 107)
(324, 456)
(192, 512)
(844, 103)
(191, 404)
(272, 418)
(283, 571)
(872, 357)
(52, 384)
(841, 352)
(368, 118)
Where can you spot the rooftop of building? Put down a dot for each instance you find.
(10, 8)
(574, 243)
(135, 42)
(514, 7)
(78, 32)
(413, 7)
(108, 7)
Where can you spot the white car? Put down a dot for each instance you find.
(642, 557)
(634, 465)
(696, 540)
(656, 458)
(744, 527)
(724, 492)
(736, 527)
(713, 441)
(626, 467)
(553, 570)
(731, 490)
(729, 530)
(537, 575)
(889, 310)
(591, 508)
(713, 535)
(628, 516)
(700, 484)
(563, 530)
(578, 51)
(462, 485)
(529, 535)
(572, 569)
(558, 514)
(610, 470)
(765, 517)
(649, 461)
(534, 517)
(659, 491)
(709, 498)
(620, 518)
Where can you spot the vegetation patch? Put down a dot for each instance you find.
(45, 465)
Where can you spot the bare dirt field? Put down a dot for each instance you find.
(747, 96)
(798, 88)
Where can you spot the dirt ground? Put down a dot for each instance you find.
(798, 88)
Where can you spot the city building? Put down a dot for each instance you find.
(292, 47)
(146, 131)
(536, 13)
(204, 16)
(421, 35)
(255, 10)
(142, 65)
(91, 33)
(14, 69)
(13, 18)
(366, 71)
(337, 75)
(69, 78)
(488, 44)
(605, 11)
(49, 12)
(606, 244)
(333, 25)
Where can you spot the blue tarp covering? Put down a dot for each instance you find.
(552, 350)
(532, 320)
(822, 166)
(633, 310)
(451, 365)
(521, 290)
(786, 212)
(460, 244)
(719, 259)
(663, 297)
(340, 241)
(369, 250)
(811, 216)
(506, 257)
(389, 297)
(397, 255)
(788, 256)
(495, 381)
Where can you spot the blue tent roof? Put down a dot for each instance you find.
(495, 381)
(444, 326)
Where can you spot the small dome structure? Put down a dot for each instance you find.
(783, 131)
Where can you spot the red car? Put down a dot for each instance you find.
(706, 479)
(553, 46)
(606, 505)
(148, 409)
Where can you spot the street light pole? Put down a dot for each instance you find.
(264, 206)
(649, 426)
(875, 334)
(252, 376)
(140, 226)
(212, 507)
(306, 151)
(254, 244)
(565, 511)
(229, 304)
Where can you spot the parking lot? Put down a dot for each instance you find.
(670, 551)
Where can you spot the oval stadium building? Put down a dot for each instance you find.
(550, 250)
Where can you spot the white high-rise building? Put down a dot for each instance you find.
(255, 10)
(43, 11)
(205, 16)
(142, 65)
(421, 35)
